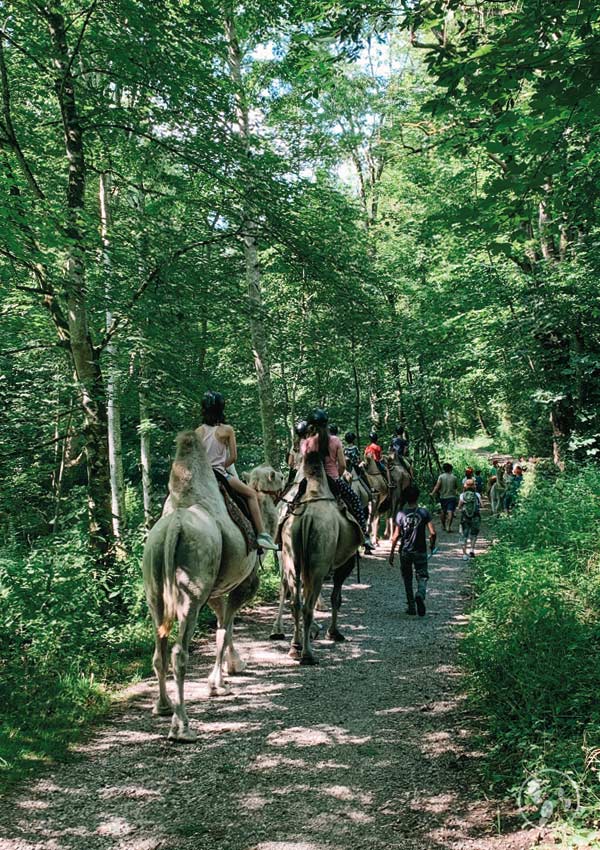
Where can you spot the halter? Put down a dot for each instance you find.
(274, 494)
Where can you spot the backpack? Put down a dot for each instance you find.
(470, 504)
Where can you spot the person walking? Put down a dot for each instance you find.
(410, 528)
(470, 517)
(447, 489)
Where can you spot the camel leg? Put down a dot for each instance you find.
(311, 594)
(296, 604)
(163, 704)
(236, 600)
(277, 632)
(180, 727)
(339, 577)
(216, 687)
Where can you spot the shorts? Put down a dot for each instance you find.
(448, 505)
(469, 526)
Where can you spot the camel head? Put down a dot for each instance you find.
(265, 479)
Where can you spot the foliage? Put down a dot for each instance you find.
(530, 645)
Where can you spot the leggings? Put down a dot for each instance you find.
(341, 488)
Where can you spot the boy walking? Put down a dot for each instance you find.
(447, 487)
(470, 517)
(411, 524)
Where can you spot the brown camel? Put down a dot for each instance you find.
(378, 484)
(193, 555)
(316, 538)
(401, 476)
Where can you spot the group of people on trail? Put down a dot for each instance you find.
(412, 521)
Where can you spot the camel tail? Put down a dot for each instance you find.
(170, 589)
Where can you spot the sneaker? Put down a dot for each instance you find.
(411, 610)
(265, 541)
(420, 603)
(465, 557)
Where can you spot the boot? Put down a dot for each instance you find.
(420, 596)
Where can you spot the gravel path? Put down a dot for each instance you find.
(370, 750)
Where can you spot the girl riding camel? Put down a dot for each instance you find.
(221, 450)
(375, 452)
(329, 446)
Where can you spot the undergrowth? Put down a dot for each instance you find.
(532, 646)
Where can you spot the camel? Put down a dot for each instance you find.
(401, 477)
(316, 538)
(195, 554)
(269, 484)
(378, 484)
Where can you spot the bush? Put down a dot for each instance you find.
(531, 648)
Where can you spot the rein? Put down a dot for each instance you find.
(276, 495)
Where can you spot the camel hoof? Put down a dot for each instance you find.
(162, 709)
(295, 651)
(218, 690)
(236, 667)
(336, 636)
(277, 636)
(308, 661)
(182, 736)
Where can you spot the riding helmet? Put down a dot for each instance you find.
(318, 417)
(300, 427)
(349, 436)
(333, 429)
(373, 436)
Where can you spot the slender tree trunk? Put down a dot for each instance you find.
(145, 445)
(258, 314)
(86, 358)
(115, 453)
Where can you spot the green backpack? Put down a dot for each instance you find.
(470, 504)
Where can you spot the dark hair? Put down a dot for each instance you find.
(400, 430)
(322, 433)
(447, 467)
(411, 494)
(477, 472)
(373, 436)
(350, 437)
(333, 429)
(213, 406)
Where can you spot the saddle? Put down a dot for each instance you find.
(238, 511)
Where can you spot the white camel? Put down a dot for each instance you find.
(195, 554)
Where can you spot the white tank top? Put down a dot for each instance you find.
(216, 450)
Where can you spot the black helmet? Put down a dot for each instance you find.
(349, 436)
(300, 427)
(333, 429)
(399, 430)
(373, 436)
(318, 417)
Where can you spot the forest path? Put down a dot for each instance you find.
(371, 749)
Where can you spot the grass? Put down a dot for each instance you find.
(531, 649)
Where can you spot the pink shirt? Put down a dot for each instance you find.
(311, 444)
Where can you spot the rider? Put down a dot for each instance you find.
(375, 452)
(319, 439)
(295, 455)
(399, 444)
(352, 455)
(221, 450)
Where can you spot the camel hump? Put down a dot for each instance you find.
(313, 465)
(187, 442)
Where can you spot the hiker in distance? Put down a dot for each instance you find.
(410, 528)
(470, 517)
(447, 488)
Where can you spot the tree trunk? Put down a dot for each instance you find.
(115, 453)
(145, 446)
(258, 315)
(85, 355)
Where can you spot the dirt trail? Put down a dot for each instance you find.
(372, 749)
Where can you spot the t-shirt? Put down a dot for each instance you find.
(400, 446)
(373, 450)
(352, 456)
(448, 485)
(412, 523)
(311, 444)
